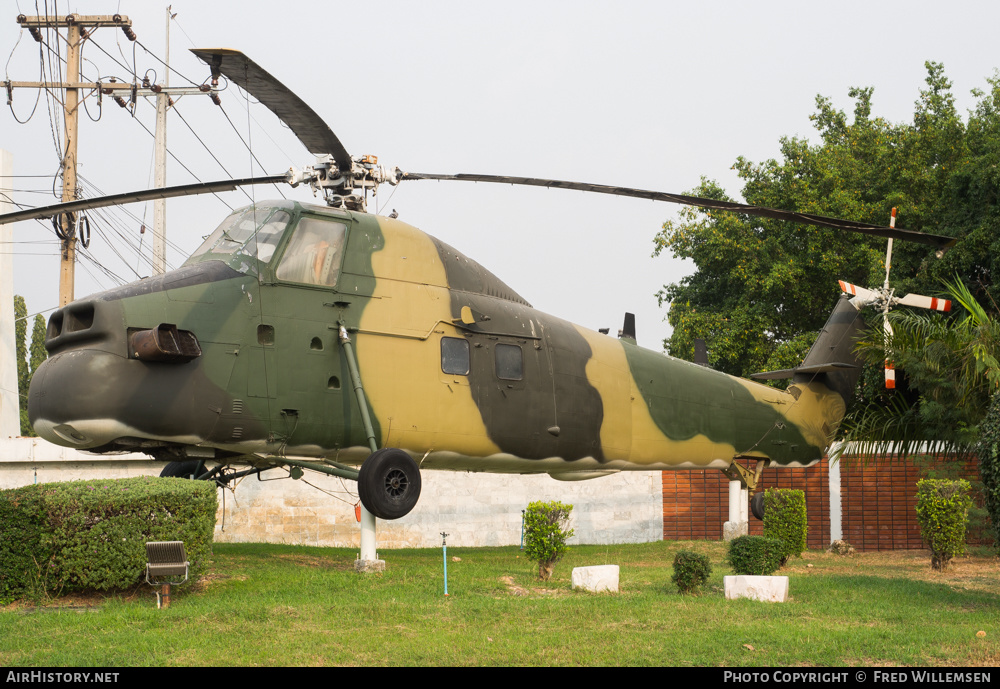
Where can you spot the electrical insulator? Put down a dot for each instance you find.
(129, 33)
(215, 99)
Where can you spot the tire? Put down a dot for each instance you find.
(389, 483)
(757, 505)
(183, 469)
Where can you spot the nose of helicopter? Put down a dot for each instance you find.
(74, 401)
(106, 385)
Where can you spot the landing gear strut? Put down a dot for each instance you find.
(742, 481)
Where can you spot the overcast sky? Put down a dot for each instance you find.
(645, 94)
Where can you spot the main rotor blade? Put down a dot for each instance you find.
(937, 241)
(137, 196)
(309, 127)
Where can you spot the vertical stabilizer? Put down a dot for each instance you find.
(832, 355)
(831, 360)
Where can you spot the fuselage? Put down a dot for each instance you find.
(457, 368)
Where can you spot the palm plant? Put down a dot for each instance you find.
(952, 369)
(952, 366)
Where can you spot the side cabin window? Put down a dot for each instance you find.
(509, 362)
(314, 253)
(455, 356)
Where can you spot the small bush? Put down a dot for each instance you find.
(92, 534)
(691, 571)
(755, 555)
(943, 512)
(785, 520)
(545, 534)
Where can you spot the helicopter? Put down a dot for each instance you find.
(329, 339)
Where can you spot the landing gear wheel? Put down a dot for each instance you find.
(757, 505)
(389, 483)
(183, 469)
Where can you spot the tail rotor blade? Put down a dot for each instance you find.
(890, 369)
(865, 296)
(932, 303)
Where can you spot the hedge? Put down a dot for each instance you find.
(92, 534)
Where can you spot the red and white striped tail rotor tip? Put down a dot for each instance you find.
(866, 295)
(932, 303)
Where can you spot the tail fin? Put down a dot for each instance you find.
(831, 360)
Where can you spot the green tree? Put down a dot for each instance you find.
(21, 352)
(38, 353)
(28, 360)
(757, 284)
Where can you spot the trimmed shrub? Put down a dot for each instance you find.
(93, 534)
(988, 453)
(691, 571)
(943, 512)
(785, 520)
(755, 555)
(545, 534)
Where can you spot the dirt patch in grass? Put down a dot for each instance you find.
(967, 573)
(516, 590)
(206, 581)
(302, 560)
(81, 601)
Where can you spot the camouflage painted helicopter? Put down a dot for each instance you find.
(326, 338)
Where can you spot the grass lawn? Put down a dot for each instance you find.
(290, 605)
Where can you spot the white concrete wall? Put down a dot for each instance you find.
(474, 509)
(10, 416)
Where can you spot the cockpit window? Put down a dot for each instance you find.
(314, 252)
(249, 233)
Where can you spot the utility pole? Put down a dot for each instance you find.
(160, 163)
(67, 267)
(78, 29)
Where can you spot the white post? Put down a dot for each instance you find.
(368, 553)
(10, 415)
(836, 503)
(738, 512)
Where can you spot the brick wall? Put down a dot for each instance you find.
(878, 504)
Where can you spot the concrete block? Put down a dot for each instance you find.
(598, 578)
(769, 589)
(731, 530)
(369, 566)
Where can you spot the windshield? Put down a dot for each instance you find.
(249, 233)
